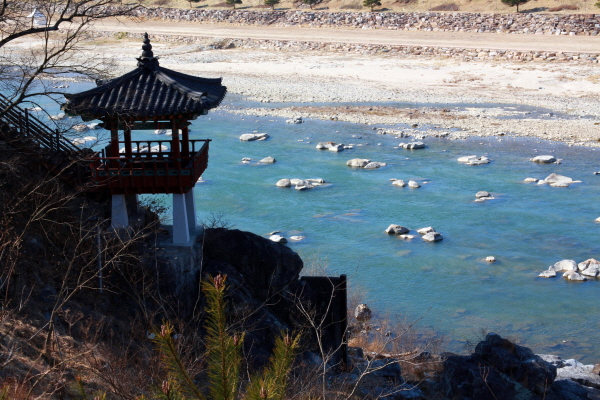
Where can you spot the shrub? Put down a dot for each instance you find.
(571, 7)
(445, 7)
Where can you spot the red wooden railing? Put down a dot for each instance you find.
(149, 171)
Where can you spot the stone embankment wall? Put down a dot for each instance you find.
(548, 24)
(464, 54)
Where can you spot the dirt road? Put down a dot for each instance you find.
(584, 44)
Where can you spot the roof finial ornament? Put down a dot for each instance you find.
(147, 59)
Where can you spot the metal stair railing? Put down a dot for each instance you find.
(28, 126)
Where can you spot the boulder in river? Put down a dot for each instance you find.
(590, 267)
(474, 160)
(557, 180)
(574, 276)
(530, 180)
(374, 165)
(248, 137)
(565, 265)
(543, 159)
(433, 237)
(413, 184)
(425, 230)
(358, 162)
(283, 183)
(268, 160)
(394, 229)
(278, 239)
(401, 183)
(412, 145)
(549, 273)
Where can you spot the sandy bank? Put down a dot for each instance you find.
(430, 84)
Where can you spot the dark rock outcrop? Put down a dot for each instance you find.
(499, 369)
(262, 277)
(267, 267)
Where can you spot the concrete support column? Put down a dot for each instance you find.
(190, 207)
(132, 202)
(181, 229)
(119, 217)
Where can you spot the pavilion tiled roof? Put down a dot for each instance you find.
(148, 91)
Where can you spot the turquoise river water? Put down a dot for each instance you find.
(448, 283)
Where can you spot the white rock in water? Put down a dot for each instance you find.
(597, 219)
(482, 193)
(316, 181)
(473, 160)
(93, 125)
(407, 237)
(322, 146)
(268, 160)
(246, 159)
(248, 137)
(413, 184)
(543, 159)
(558, 179)
(574, 276)
(399, 182)
(413, 145)
(336, 147)
(490, 259)
(296, 181)
(374, 165)
(565, 265)
(80, 128)
(58, 117)
(358, 162)
(560, 184)
(530, 180)
(297, 238)
(541, 182)
(278, 239)
(590, 267)
(157, 149)
(426, 230)
(549, 273)
(433, 237)
(394, 229)
(306, 186)
(283, 183)
(169, 132)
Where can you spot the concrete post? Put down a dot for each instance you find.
(190, 205)
(119, 217)
(181, 230)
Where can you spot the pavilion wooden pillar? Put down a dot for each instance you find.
(185, 141)
(127, 138)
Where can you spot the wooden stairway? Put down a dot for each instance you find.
(48, 147)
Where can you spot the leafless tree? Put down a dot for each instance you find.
(41, 38)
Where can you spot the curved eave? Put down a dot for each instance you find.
(147, 93)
